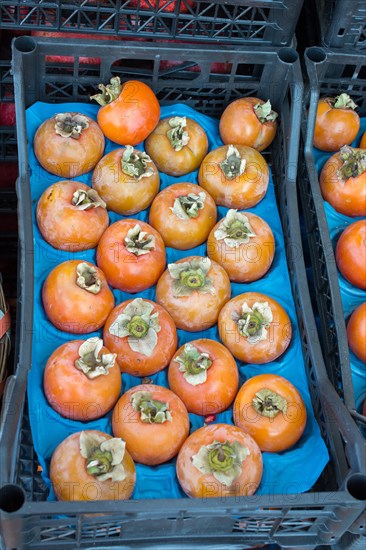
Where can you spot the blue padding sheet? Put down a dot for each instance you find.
(290, 472)
(351, 296)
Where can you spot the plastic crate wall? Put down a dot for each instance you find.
(330, 73)
(266, 22)
(343, 23)
(289, 520)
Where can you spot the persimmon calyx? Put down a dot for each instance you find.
(178, 135)
(87, 278)
(140, 325)
(109, 93)
(103, 456)
(188, 206)
(87, 199)
(139, 242)
(233, 166)
(264, 112)
(194, 365)
(91, 362)
(269, 403)
(134, 163)
(342, 101)
(354, 162)
(234, 229)
(222, 460)
(191, 276)
(151, 410)
(254, 321)
(70, 124)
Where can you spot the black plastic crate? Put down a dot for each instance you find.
(343, 23)
(323, 516)
(330, 73)
(266, 22)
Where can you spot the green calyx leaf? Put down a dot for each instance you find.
(254, 321)
(264, 112)
(70, 124)
(178, 135)
(222, 460)
(188, 206)
(343, 101)
(140, 325)
(234, 229)
(87, 278)
(109, 93)
(268, 403)
(354, 162)
(87, 199)
(139, 242)
(151, 410)
(103, 456)
(191, 276)
(194, 365)
(233, 166)
(135, 163)
(91, 362)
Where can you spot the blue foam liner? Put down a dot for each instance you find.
(290, 472)
(350, 295)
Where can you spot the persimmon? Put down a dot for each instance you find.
(220, 460)
(243, 244)
(356, 332)
(68, 144)
(143, 335)
(76, 297)
(129, 112)
(235, 176)
(351, 254)
(270, 409)
(92, 465)
(177, 145)
(82, 379)
(193, 290)
(127, 180)
(249, 121)
(131, 253)
(343, 181)
(255, 328)
(203, 373)
(337, 122)
(71, 216)
(183, 215)
(363, 141)
(153, 421)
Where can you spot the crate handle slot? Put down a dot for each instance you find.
(288, 55)
(12, 498)
(316, 55)
(356, 486)
(25, 44)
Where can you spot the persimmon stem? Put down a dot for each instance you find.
(343, 101)
(233, 165)
(70, 124)
(99, 462)
(109, 93)
(138, 327)
(354, 162)
(269, 403)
